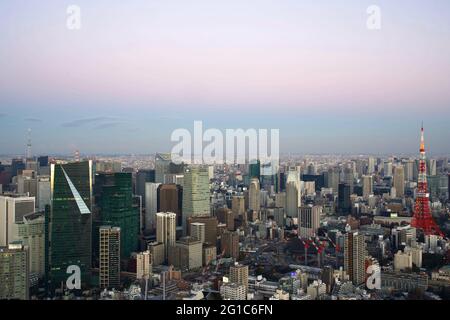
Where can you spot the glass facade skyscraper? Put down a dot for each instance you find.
(114, 203)
(69, 222)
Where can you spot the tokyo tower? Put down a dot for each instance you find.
(422, 218)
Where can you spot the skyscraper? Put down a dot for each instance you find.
(70, 221)
(162, 166)
(367, 186)
(254, 196)
(239, 275)
(371, 166)
(309, 221)
(333, 179)
(142, 177)
(344, 202)
(166, 230)
(114, 201)
(238, 205)
(109, 270)
(170, 199)
(399, 181)
(198, 231)
(151, 205)
(354, 257)
(14, 272)
(12, 210)
(229, 244)
(144, 265)
(254, 170)
(195, 193)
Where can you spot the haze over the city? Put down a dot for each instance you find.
(137, 70)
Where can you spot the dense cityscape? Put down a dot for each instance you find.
(320, 227)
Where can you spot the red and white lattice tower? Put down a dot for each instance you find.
(422, 218)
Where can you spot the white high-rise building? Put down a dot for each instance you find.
(144, 265)
(293, 192)
(12, 210)
(166, 223)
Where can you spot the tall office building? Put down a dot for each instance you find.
(142, 177)
(254, 195)
(187, 254)
(239, 275)
(229, 244)
(198, 231)
(309, 221)
(367, 186)
(254, 169)
(371, 166)
(195, 193)
(225, 215)
(170, 199)
(387, 169)
(114, 201)
(43, 192)
(238, 205)
(344, 202)
(166, 230)
(354, 257)
(210, 227)
(109, 270)
(14, 272)
(349, 178)
(399, 181)
(333, 179)
(70, 221)
(409, 169)
(162, 166)
(431, 167)
(151, 206)
(293, 176)
(12, 210)
(31, 232)
(292, 203)
(144, 265)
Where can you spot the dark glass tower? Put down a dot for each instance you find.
(114, 203)
(69, 222)
(254, 170)
(344, 202)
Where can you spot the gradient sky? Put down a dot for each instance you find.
(139, 69)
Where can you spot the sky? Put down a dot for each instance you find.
(139, 69)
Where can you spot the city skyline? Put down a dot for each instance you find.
(134, 73)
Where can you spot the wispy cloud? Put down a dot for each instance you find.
(33, 120)
(82, 122)
(107, 125)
